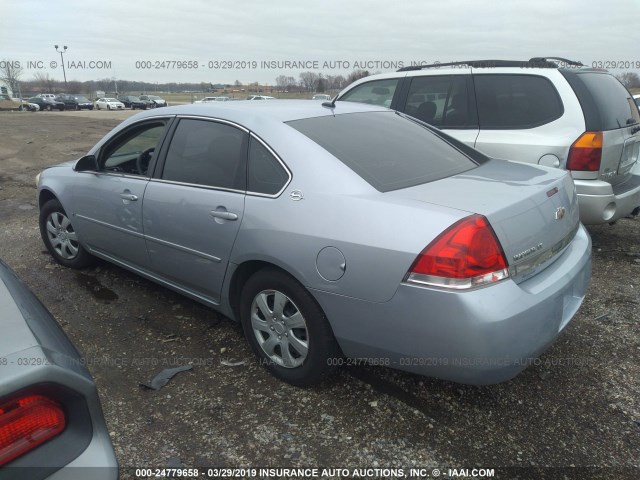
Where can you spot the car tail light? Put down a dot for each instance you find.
(26, 423)
(586, 152)
(465, 255)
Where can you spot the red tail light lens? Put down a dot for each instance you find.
(465, 255)
(586, 153)
(26, 423)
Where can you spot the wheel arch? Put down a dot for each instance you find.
(242, 273)
(44, 196)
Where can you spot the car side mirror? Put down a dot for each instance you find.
(88, 163)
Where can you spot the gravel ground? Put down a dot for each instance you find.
(578, 406)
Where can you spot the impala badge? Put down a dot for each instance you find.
(560, 213)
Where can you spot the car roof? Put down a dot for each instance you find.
(246, 113)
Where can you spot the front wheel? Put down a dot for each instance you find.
(60, 237)
(287, 329)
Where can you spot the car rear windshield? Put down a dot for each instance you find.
(387, 150)
(613, 103)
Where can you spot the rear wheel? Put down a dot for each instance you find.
(287, 329)
(60, 238)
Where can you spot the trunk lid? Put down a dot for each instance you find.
(532, 209)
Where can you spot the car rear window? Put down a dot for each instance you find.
(387, 150)
(611, 99)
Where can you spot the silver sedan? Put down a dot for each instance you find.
(51, 423)
(332, 232)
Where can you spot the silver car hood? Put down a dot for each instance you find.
(532, 209)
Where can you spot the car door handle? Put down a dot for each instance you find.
(223, 214)
(128, 196)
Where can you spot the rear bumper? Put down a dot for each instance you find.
(482, 336)
(601, 203)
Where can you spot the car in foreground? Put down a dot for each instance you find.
(154, 100)
(353, 230)
(321, 96)
(47, 103)
(133, 102)
(570, 117)
(109, 104)
(51, 421)
(75, 102)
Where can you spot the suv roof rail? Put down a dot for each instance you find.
(536, 62)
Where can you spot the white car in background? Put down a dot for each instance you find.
(260, 97)
(109, 104)
(636, 98)
(212, 99)
(321, 96)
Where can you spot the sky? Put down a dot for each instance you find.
(251, 41)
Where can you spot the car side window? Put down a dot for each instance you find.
(132, 151)
(442, 101)
(207, 153)
(266, 174)
(516, 101)
(376, 92)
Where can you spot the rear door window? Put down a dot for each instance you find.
(266, 174)
(386, 149)
(207, 153)
(442, 101)
(516, 101)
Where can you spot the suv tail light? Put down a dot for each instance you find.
(26, 423)
(586, 152)
(467, 254)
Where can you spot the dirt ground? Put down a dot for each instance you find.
(574, 414)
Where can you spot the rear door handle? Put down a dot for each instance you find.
(128, 196)
(223, 214)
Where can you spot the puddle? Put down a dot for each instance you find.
(95, 288)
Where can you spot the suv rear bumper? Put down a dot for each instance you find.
(600, 202)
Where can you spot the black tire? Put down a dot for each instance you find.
(21, 108)
(322, 348)
(49, 108)
(108, 107)
(66, 251)
(77, 107)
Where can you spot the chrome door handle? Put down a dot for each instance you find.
(223, 214)
(128, 196)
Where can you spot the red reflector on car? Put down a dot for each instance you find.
(586, 153)
(26, 423)
(465, 255)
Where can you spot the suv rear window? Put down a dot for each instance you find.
(612, 100)
(507, 102)
(387, 150)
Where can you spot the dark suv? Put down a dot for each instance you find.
(578, 119)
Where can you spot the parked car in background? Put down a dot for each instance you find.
(47, 103)
(75, 102)
(636, 98)
(8, 103)
(133, 102)
(51, 421)
(109, 104)
(156, 100)
(324, 231)
(212, 99)
(47, 95)
(260, 97)
(321, 96)
(577, 119)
